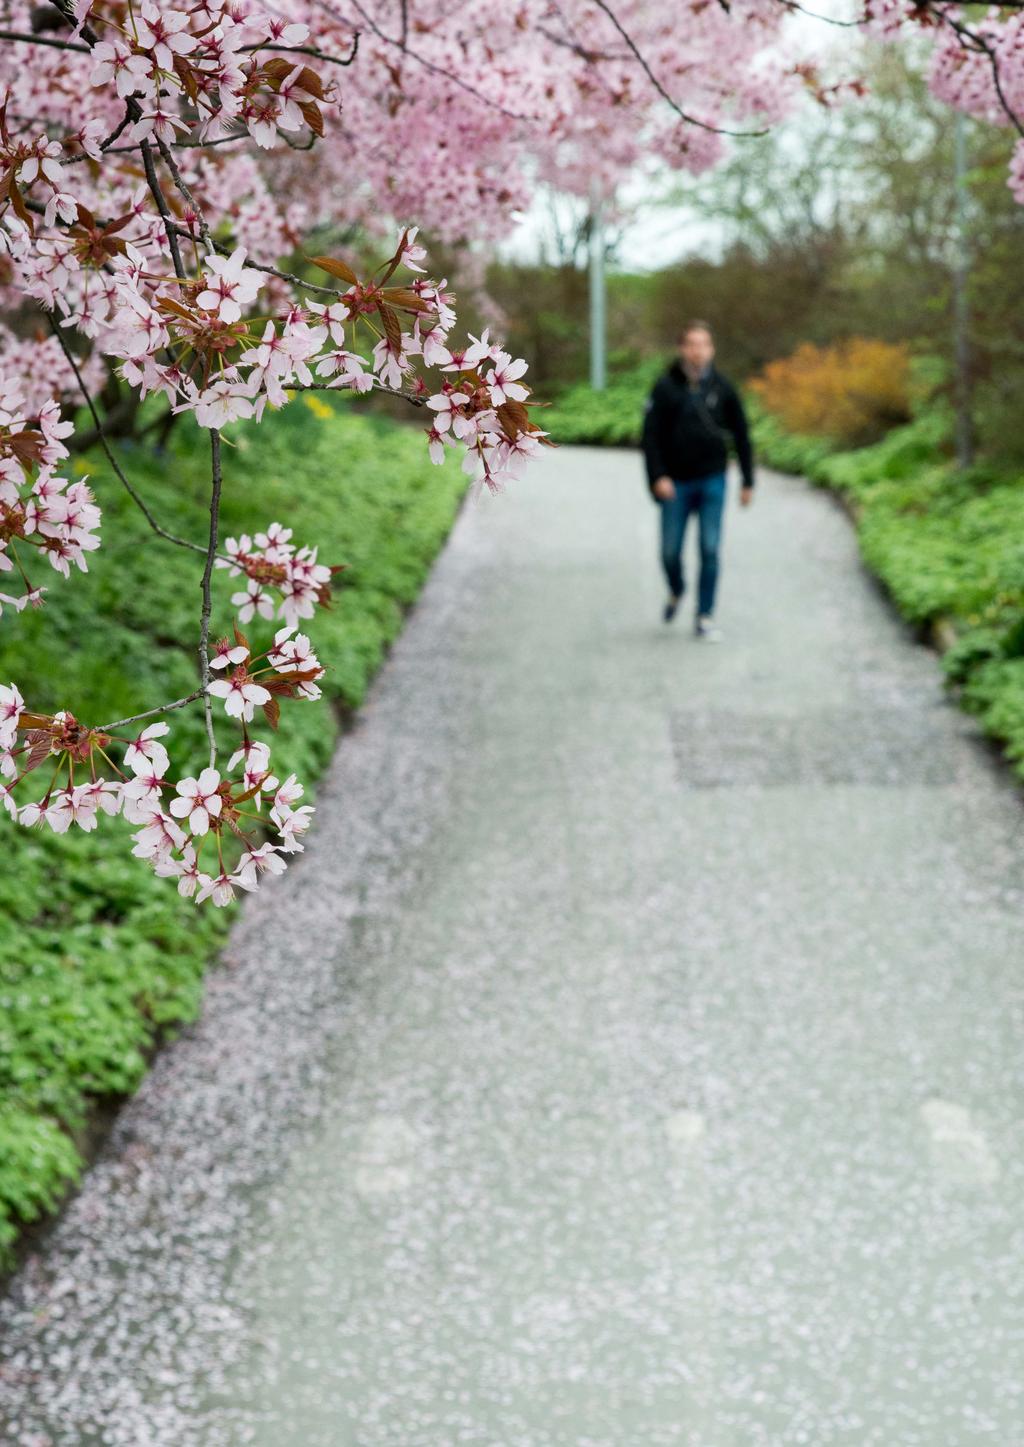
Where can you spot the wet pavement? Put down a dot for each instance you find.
(635, 1058)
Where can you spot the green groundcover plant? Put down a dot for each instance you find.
(98, 958)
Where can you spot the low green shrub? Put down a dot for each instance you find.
(98, 957)
(612, 418)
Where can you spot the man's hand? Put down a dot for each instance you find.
(664, 489)
(746, 496)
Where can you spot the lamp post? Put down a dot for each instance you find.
(961, 315)
(598, 321)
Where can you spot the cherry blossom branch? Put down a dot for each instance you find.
(429, 65)
(178, 145)
(224, 250)
(171, 228)
(971, 40)
(106, 146)
(825, 19)
(183, 186)
(204, 622)
(149, 713)
(101, 435)
(377, 387)
(312, 50)
(603, 6)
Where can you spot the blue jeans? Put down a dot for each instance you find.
(704, 496)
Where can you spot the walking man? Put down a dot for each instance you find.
(691, 412)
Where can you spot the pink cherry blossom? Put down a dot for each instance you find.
(12, 705)
(229, 286)
(198, 801)
(146, 752)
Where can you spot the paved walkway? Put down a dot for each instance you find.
(634, 1059)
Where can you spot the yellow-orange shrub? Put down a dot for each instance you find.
(850, 392)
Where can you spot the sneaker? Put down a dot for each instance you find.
(671, 609)
(707, 629)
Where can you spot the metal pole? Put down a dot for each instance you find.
(961, 316)
(598, 327)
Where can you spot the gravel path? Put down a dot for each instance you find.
(633, 1059)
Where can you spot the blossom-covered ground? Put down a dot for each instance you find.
(632, 1057)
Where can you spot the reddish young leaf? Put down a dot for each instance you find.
(340, 269)
(392, 327)
(313, 117)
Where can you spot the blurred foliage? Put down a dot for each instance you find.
(98, 957)
(852, 392)
(946, 544)
(612, 418)
(837, 226)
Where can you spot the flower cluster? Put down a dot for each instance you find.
(272, 564)
(289, 669)
(483, 407)
(40, 512)
(209, 57)
(209, 832)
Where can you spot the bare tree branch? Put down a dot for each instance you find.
(149, 713)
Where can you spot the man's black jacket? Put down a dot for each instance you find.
(686, 428)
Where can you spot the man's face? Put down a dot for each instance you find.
(696, 350)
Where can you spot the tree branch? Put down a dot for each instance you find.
(101, 435)
(606, 9)
(204, 621)
(50, 40)
(312, 50)
(971, 40)
(377, 387)
(401, 45)
(170, 226)
(149, 713)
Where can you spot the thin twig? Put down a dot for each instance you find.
(170, 227)
(971, 40)
(603, 6)
(400, 44)
(105, 146)
(182, 186)
(312, 50)
(101, 435)
(149, 713)
(204, 622)
(190, 145)
(43, 40)
(377, 387)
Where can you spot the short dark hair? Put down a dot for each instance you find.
(695, 325)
